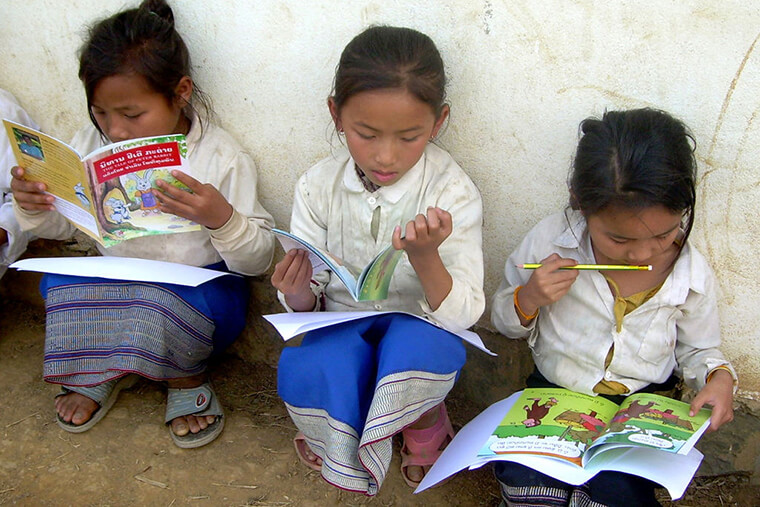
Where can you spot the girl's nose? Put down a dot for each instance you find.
(116, 130)
(385, 156)
(640, 253)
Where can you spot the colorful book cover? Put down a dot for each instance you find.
(110, 194)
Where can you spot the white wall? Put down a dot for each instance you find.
(522, 76)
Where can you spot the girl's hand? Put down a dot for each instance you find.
(424, 234)
(206, 205)
(292, 277)
(719, 393)
(547, 284)
(30, 195)
(423, 237)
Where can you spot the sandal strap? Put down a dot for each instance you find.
(422, 446)
(98, 393)
(197, 401)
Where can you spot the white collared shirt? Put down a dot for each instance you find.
(17, 239)
(333, 211)
(677, 329)
(245, 242)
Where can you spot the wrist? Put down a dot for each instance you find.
(223, 218)
(301, 302)
(523, 305)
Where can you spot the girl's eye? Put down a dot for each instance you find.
(132, 116)
(618, 241)
(410, 139)
(365, 136)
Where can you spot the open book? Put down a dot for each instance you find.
(572, 437)
(109, 194)
(368, 284)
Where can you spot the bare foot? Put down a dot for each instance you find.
(75, 408)
(183, 425)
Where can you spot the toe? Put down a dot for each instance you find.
(180, 427)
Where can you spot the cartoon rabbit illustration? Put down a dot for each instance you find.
(120, 212)
(148, 201)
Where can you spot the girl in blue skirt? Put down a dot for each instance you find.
(350, 387)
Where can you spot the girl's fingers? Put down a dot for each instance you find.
(188, 180)
(396, 240)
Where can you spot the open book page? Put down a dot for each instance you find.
(293, 324)
(674, 473)
(123, 178)
(53, 162)
(657, 422)
(551, 422)
(375, 280)
(368, 284)
(122, 268)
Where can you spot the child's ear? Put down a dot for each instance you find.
(333, 107)
(440, 121)
(183, 91)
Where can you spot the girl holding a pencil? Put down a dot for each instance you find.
(615, 330)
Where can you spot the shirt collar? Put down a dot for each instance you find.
(391, 193)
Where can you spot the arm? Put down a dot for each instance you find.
(451, 275)
(540, 287)
(239, 226)
(297, 288)
(700, 362)
(13, 240)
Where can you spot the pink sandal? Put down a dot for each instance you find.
(423, 447)
(301, 447)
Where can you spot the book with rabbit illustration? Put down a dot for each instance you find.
(110, 193)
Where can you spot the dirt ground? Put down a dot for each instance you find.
(129, 458)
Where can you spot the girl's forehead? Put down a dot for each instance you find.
(636, 223)
(122, 89)
(388, 105)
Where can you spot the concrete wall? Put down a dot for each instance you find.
(522, 75)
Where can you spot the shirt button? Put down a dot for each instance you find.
(378, 307)
(608, 375)
(372, 200)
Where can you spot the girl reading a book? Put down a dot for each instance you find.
(135, 69)
(350, 387)
(614, 333)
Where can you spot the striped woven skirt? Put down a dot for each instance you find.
(98, 329)
(350, 387)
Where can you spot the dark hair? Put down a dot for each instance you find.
(141, 41)
(391, 57)
(635, 159)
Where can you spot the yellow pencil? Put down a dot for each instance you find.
(598, 267)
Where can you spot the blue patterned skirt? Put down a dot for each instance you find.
(99, 329)
(350, 387)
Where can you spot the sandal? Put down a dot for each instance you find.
(198, 401)
(104, 394)
(301, 446)
(422, 447)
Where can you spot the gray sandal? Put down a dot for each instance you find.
(198, 401)
(104, 394)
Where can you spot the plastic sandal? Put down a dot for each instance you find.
(422, 447)
(104, 394)
(198, 401)
(301, 446)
